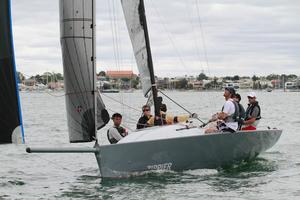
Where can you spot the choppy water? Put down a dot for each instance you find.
(273, 175)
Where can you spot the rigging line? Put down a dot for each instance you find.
(122, 103)
(53, 95)
(116, 25)
(117, 39)
(55, 164)
(204, 44)
(195, 38)
(169, 35)
(116, 32)
(69, 93)
(124, 116)
(180, 106)
(112, 32)
(202, 36)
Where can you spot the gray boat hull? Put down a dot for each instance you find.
(184, 153)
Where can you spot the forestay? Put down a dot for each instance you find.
(78, 50)
(131, 9)
(11, 129)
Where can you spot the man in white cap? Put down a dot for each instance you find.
(252, 115)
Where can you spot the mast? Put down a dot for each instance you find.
(93, 58)
(150, 62)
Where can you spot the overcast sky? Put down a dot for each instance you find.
(187, 37)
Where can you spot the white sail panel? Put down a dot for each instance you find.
(137, 36)
(77, 43)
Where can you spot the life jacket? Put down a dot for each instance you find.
(120, 130)
(235, 116)
(250, 110)
(142, 123)
(241, 116)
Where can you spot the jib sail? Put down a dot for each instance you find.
(131, 10)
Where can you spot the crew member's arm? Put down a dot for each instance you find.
(181, 118)
(150, 122)
(141, 124)
(226, 110)
(253, 116)
(249, 121)
(222, 115)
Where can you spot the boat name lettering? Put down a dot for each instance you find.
(163, 166)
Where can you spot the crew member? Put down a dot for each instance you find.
(167, 119)
(142, 123)
(117, 132)
(237, 98)
(252, 115)
(227, 118)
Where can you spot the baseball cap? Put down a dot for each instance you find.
(251, 94)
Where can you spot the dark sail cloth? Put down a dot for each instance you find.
(10, 113)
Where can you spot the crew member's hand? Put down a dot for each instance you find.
(194, 115)
(222, 115)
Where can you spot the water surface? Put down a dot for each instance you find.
(273, 175)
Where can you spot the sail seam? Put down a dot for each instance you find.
(76, 19)
(72, 37)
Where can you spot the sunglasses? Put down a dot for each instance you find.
(146, 110)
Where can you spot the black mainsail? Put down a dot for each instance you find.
(11, 128)
(83, 103)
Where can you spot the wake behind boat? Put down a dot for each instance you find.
(169, 147)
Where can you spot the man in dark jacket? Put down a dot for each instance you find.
(241, 117)
(142, 123)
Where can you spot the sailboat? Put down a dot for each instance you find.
(174, 147)
(11, 128)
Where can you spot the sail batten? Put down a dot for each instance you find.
(78, 51)
(11, 128)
